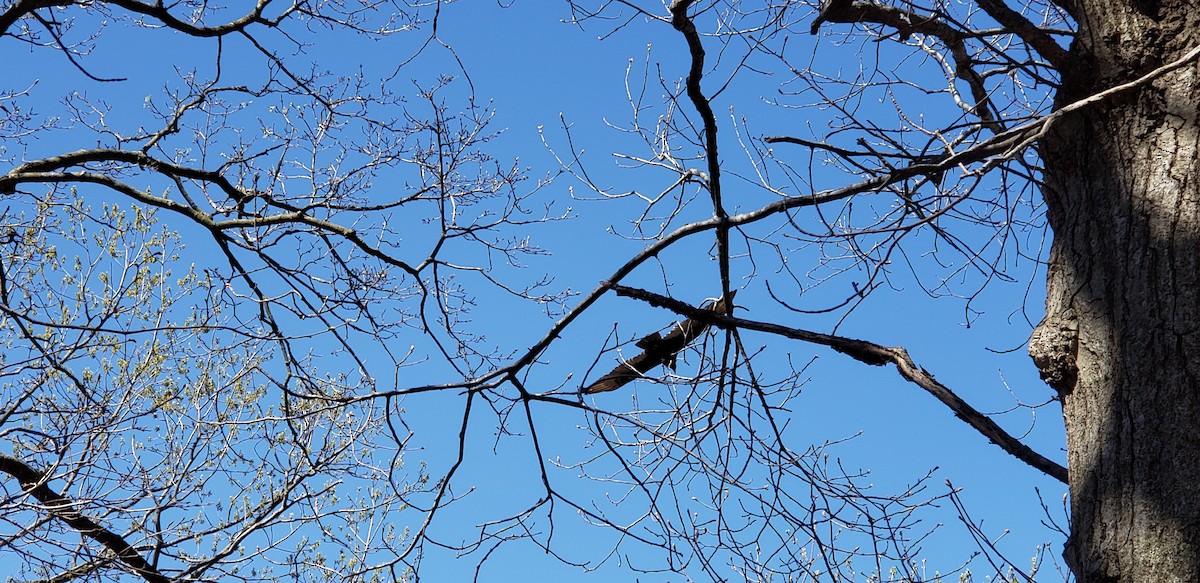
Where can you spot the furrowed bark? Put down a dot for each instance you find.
(1122, 330)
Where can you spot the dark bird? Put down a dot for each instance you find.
(656, 350)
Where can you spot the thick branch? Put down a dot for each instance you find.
(23, 8)
(875, 355)
(34, 483)
(658, 350)
(681, 22)
(907, 23)
(1040, 40)
(141, 159)
(160, 13)
(157, 11)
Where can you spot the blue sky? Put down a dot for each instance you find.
(537, 73)
(900, 431)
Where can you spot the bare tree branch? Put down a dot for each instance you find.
(657, 350)
(907, 23)
(1037, 38)
(23, 8)
(875, 355)
(36, 484)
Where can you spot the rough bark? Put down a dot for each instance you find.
(657, 351)
(1122, 331)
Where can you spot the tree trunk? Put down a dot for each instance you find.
(1122, 329)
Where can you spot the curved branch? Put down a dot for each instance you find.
(47, 170)
(1040, 40)
(683, 24)
(872, 354)
(159, 12)
(23, 8)
(35, 484)
(141, 159)
(907, 22)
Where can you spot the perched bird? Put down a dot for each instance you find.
(656, 350)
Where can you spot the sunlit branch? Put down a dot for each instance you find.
(907, 23)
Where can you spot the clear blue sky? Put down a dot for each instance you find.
(535, 68)
(532, 67)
